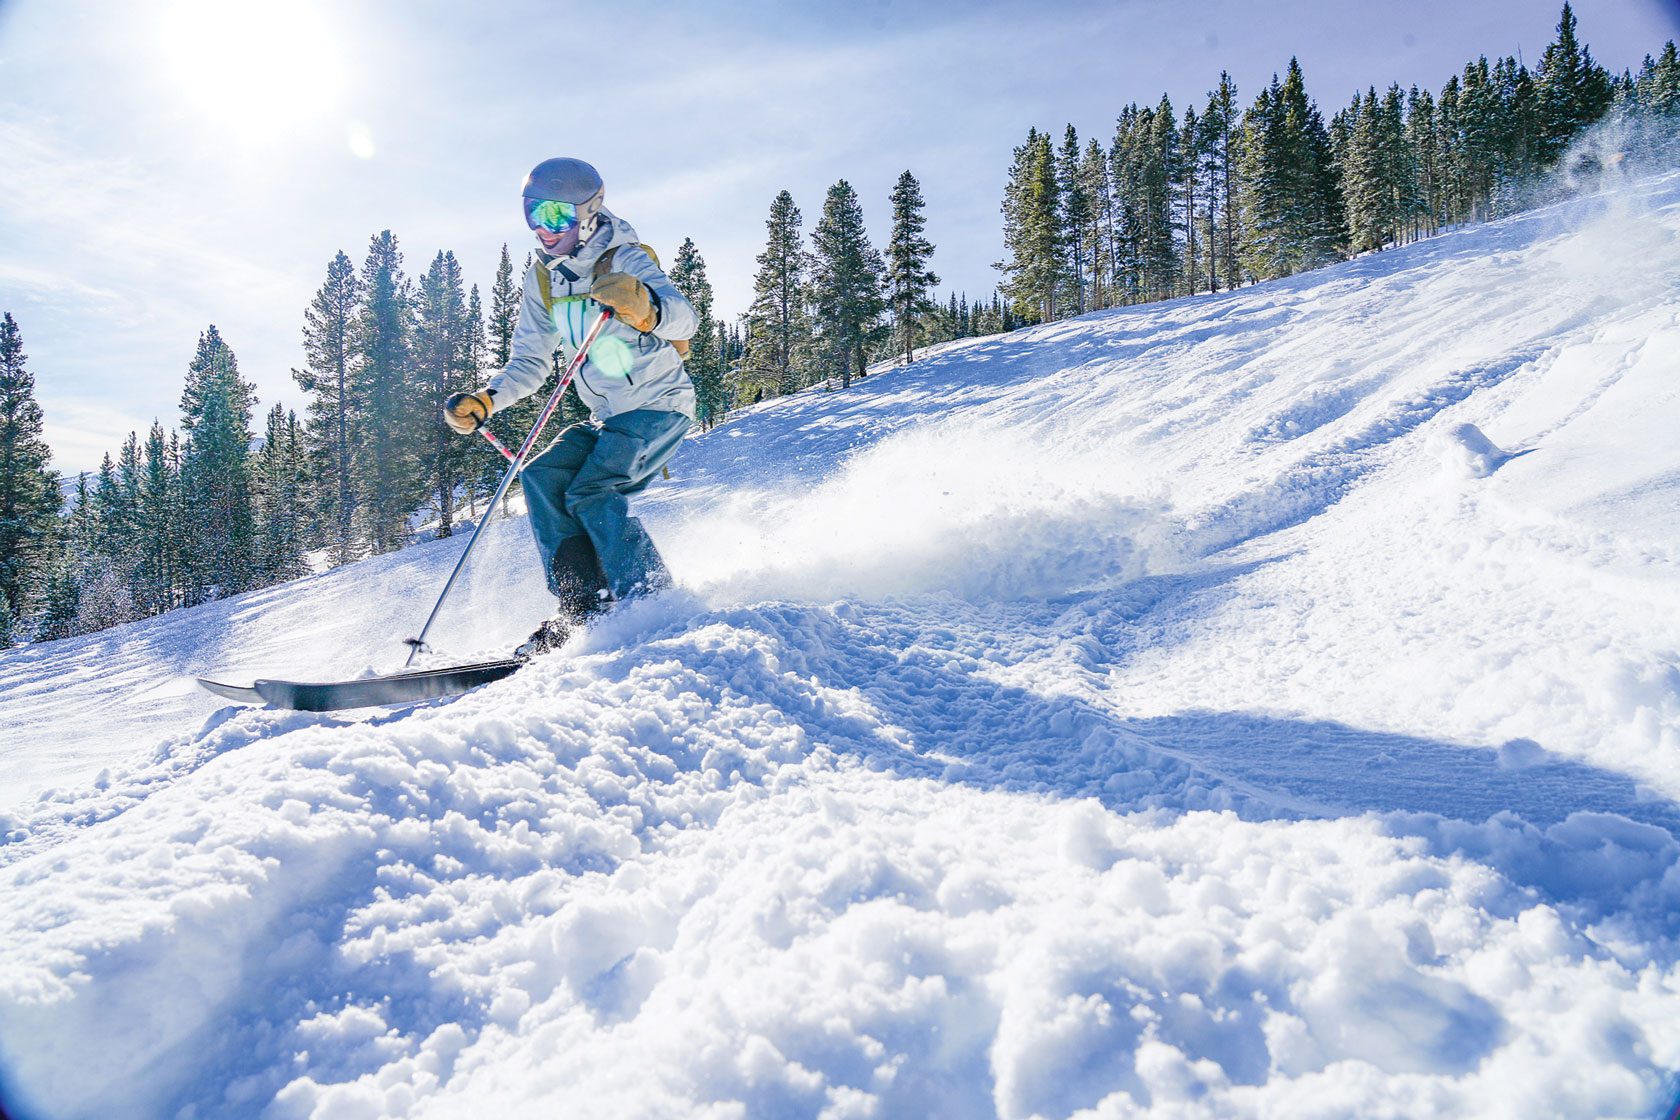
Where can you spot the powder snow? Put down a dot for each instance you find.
(1265, 703)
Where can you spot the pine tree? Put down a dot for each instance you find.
(1189, 179)
(1032, 228)
(216, 486)
(63, 599)
(111, 522)
(443, 365)
(1451, 159)
(846, 284)
(505, 297)
(1521, 147)
(1378, 171)
(1318, 224)
(1362, 178)
(1478, 121)
(1293, 216)
(1075, 209)
(103, 574)
(388, 428)
(1420, 137)
(1400, 166)
(123, 548)
(330, 348)
(73, 546)
(1659, 85)
(1126, 165)
(1220, 127)
(1574, 91)
(158, 529)
(280, 478)
(778, 328)
(1264, 186)
(705, 360)
(1161, 168)
(1145, 159)
(29, 495)
(1095, 235)
(730, 350)
(908, 275)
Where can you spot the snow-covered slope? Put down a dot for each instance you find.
(1265, 703)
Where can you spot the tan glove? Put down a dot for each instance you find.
(628, 297)
(466, 411)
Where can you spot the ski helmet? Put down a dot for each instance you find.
(563, 197)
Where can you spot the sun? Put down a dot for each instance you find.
(252, 66)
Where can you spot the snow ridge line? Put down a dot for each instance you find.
(1320, 479)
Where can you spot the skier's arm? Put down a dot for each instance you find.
(531, 356)
(674, 315)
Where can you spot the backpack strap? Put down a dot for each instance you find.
(545, 288)
(604, 265)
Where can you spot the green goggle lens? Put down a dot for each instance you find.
(545, 213)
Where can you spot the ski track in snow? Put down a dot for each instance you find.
(1263, 703)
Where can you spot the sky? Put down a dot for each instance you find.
(166, 165)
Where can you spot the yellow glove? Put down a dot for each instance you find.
(628, 297)
(466, 411)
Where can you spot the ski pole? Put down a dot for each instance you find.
(416, 644)
(494, 442)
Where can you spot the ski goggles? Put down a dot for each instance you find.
(546, 213)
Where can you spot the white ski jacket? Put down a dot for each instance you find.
(626, 368)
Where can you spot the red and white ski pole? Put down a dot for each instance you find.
(415, 645)
(494, 442)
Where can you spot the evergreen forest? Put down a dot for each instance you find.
(233, 498)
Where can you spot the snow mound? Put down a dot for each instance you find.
(1466, 453)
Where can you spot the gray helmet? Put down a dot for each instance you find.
(563, 180)
(563, 196)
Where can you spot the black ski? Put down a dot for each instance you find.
(394, 688)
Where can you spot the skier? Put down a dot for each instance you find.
(640, 398)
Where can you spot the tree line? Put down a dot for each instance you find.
(821, 315)
(1200, 202)
(1173, 206)
(205, 510)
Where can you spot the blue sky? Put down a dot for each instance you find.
(169, 164)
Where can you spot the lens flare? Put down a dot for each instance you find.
(573, 316)
(612, 356)
(361, 142)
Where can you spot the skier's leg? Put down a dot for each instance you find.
(544, 481)
(629, 450)
(574, 575)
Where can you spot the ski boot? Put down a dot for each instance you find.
(576, 580)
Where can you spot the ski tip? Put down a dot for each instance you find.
(244, 694)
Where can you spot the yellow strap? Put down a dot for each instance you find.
(602, 266)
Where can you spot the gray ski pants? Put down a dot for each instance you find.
(581, 482)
